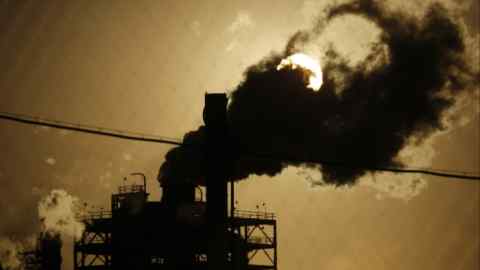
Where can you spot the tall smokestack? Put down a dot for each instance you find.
(50, 251)
(218, 164)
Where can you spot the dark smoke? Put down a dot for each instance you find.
(364, 119)
(185, 163)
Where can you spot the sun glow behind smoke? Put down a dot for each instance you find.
(305, 62)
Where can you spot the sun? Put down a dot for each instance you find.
(305, 62)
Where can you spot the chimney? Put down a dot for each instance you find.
(218, 164)
(50, 251)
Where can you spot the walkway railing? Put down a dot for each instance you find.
(253, 214)
(102, 214)
(131, 189)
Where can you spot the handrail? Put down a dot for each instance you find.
(131, 189)
(95, 215)
(253, 214)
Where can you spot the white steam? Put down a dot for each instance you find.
(9, 254)
(58, 212)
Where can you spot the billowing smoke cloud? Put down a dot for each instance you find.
(9, 254)
(363, 115)
(58, 212)
(11, 250)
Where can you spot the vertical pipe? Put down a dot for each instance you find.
(75, 255)
(217, 173)
(232, 228)
(275, 245)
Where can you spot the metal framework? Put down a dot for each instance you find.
(179, 232)
(257, 231)
(30, 260)
(94, 248)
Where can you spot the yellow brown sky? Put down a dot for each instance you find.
(144, 66)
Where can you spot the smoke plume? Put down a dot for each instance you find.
(58, 213)
(9, 254)
(363, 115)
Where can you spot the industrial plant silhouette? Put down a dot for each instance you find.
(184, 230)
(194, 226)
(355, 125)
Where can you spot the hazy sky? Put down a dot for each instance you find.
(145, 66)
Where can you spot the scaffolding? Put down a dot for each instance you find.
(93, 250)
(252, 236)
(258, 230)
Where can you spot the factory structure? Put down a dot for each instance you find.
(171, 234)
(47, 253)
(192, 227)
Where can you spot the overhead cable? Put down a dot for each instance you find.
(128, 135)
(122, 134)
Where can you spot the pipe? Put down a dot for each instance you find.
(144, 179)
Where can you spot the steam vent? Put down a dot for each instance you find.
(191, 227)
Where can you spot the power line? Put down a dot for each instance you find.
(368, 167)
(173, 141)
(89, 129)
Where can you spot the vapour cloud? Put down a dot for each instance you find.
(9, 254)
(236, 29)
(241, 21)
(58, 212)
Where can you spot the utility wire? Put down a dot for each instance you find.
(173, 141)
(368, 167)
(89, 129)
